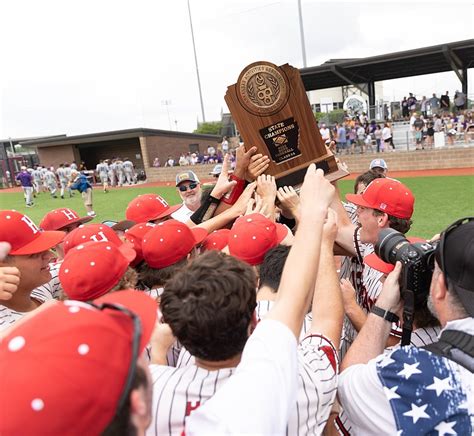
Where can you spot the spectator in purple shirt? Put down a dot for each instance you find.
(25, 179)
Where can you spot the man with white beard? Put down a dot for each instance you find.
(189, 189)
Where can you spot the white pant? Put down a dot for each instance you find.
(129, 176)
(28, 192)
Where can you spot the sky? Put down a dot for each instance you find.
(98, 65)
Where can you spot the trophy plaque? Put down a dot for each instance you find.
(272, 112)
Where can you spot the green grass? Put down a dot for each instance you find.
(439, 201)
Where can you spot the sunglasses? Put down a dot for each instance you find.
(442, 241)
(184, 188)
(137, 334)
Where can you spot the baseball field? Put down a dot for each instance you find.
(439, 201)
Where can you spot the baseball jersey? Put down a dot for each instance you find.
(61, 173)
(101, 169)
(367, 284)
(67, 172)
(36, 175)
(264, 306)
(49, 177)
(112, 167)
(410, 391)
(119, 166)
(257, 398)
(128, 166)
(317, 378)
(178, 391)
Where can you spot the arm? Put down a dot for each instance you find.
(327, 308)
(371, 340)
(161, 341)
(299, 274)
(267, 190)
(289, 203)
(345, 228)
(231, 214)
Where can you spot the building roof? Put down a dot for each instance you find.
(113, 135)
(427, 60)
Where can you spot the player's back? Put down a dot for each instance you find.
(178, 391)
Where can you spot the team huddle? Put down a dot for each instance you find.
(246, 309)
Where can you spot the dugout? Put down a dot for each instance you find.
(140, 145)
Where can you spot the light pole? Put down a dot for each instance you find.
(196, 62)
(167, 103)
(303, 49)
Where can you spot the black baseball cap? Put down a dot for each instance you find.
(459, 261)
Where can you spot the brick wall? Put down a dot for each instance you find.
(164, 146)
(53, 156)
(399, 161)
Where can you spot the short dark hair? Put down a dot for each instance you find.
(209, 305)
(151, 277)
(121, 424)
(366, 178)
(272, 266)
(401, 225)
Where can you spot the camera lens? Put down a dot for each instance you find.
(388, 245)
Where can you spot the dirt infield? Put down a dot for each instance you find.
(395, 174)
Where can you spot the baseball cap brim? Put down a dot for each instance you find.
(188, 179)
(127, 250)
(378, 264)
(358, 200)
(45, 241)
(199, 234)
(282, 232)
(80, 220)
(140, 304)
(123, 225)
(169, 211)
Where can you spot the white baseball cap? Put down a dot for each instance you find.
(378, 163)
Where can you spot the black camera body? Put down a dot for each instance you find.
(417, 262)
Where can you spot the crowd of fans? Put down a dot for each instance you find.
(234, 313)
(427, 117)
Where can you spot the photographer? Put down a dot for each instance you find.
(385, 203)
(418, 390)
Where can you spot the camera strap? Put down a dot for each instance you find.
(449, 345)
(408, 314)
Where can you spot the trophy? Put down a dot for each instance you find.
(272, 112)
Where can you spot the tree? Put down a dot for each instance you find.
(209, 128)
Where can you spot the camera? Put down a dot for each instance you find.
(417, 262)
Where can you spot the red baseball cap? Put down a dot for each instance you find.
(378, 264)
(252, 236)
(68, 364)
(387, 195)
(24, 236)
(149, 207)
(90, 232)
(169, 242)
(92, 269)
(216, 240)
(135, 235)
(63, 217)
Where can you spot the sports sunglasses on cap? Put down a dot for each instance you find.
(137, 333)
(184, 188)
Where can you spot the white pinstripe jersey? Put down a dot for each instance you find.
(367, 284)
(264, 306)
(419, 338)
(178, 391)
(317, 378)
